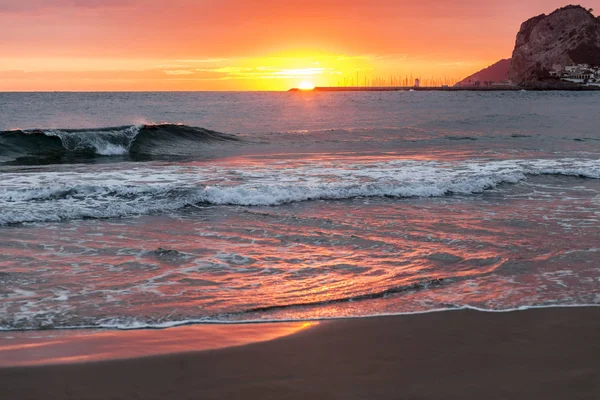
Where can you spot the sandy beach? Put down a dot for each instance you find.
(534, 354)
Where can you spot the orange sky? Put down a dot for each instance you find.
(251, 45)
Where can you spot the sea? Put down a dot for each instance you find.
(152, 210)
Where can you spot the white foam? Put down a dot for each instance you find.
(107, 193)
(106, 143)
(135, 324)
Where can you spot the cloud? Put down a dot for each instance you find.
(264, 72)
(202, 61)
(178, 72)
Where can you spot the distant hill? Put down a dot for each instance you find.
(494, 73)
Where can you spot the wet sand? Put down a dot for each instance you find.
(53, 347)
(535, 354)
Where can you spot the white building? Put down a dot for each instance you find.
(581, 73)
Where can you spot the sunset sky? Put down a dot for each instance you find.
(251, 45)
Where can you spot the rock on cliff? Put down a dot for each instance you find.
(494, 73)
(570, 35)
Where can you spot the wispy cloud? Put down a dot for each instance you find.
(203, 61)
(264, 72)
(179, 72)
(350, 58)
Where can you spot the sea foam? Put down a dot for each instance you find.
(58, 196)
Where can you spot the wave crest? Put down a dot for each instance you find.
(55, 145)
(49, 196)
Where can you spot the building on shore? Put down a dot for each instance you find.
(581, 73)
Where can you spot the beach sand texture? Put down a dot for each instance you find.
(536, 354)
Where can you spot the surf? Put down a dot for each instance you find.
(108, 193)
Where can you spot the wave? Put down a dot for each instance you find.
(38, 146)
(55, 196)
(135, 323)
(49, 320)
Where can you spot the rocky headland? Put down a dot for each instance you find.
(545, 45)
(568, 36)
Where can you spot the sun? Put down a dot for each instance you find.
(305, 85)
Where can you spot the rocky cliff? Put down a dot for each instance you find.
(570, 35)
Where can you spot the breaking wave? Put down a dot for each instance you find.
(38, 146)
(52, 197)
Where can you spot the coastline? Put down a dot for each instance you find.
(549, 353)
(532, 88)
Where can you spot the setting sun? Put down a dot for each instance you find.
(305, 85)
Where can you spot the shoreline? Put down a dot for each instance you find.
(266, 322)
(537, 353)
(76, 346)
